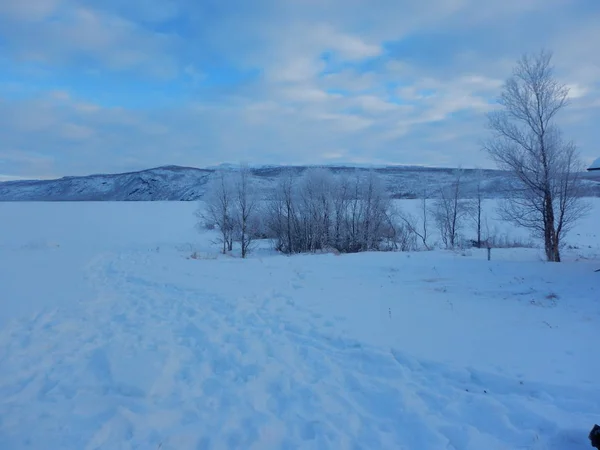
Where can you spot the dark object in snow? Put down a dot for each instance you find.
(595, 436)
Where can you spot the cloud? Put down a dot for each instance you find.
(20, 164)
(30, 11)
(61, 34)
(348, 47)
(372, 104)
(125, 85)
(74, 132)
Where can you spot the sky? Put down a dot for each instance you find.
(112, 86)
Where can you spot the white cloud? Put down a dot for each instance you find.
(28, 10)
(306, 93)
(294, 69)
(480, 82)
(333, 155)
(81, 32)
(344, 122)
(347, 46)
(577, 91)
(4, 177)
(29, 164)
(75, 132)
(350, 80)
(374, 104)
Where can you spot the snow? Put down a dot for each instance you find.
(595, 164)
(113, 337)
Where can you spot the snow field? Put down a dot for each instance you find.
(112, 337)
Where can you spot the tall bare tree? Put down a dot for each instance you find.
(449, 210)
(411, 222)
(315, 193)
(341, 202)
(376, 206)
(245, 203)
(354, 216)
(527, 142)
(475, 207)
(218, 208)
(281, 213)
(425, 220)
(287, 196)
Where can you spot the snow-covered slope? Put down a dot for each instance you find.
(182, 183)
(121, 328)
(162, 183)
(186, 183)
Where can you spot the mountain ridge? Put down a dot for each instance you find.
(181, 183)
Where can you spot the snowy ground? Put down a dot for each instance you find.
(112, 337)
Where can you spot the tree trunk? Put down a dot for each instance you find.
(479, 222)
(289, 232)
(243, 238)
(550, 236)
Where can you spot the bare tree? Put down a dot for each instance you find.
(341, 201)
(217, 210)
(245, 209)
(526, 141)
(475, 206)
(376, 207)
(424, 219)
(281, 214)
(411, 223)
(399, 235)
(315, 193)
(287, 196)
(449, 211)
(322, 211)
(354, 216)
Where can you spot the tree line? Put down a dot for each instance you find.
(321, 210)
(313, 212)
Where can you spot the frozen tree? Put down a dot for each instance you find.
(349, 213)
(281, 214)
(341, 202)
(245, 209)
(362, 213)
(376, 211)
(353, 216)
(315, 196)
(424, 220)
(449, 210)
(527, 142)
(217, 210)
(475, 206)
(418, 225)
(398, 235)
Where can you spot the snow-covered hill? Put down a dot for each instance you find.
(177, 183)
(162, 183)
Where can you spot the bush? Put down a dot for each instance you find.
(322, 211)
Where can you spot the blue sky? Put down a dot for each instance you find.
(88, 87)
